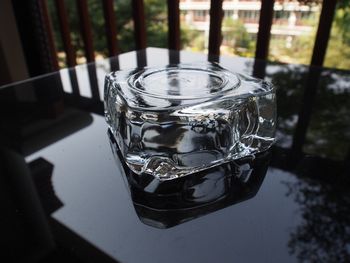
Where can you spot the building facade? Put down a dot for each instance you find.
(291, 18)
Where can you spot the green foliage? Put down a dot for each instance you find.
(125, 26)
(156, 25)
(338, 52)
(300, 51)
(188, 35)
(192, 39)
(98, 26)
(237, 37)
(342, 22)
(236, 32)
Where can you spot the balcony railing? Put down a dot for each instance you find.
(51, 97)
(140, 36)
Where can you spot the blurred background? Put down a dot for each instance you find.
(291, 38)
(292, 35)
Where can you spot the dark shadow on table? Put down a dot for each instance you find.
(313, 143)
(165, 204)
(322, 193)
(31, 118)
(28, 232)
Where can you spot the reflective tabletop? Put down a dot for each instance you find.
(65, 191)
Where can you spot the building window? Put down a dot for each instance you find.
(200, 15)
(281, 14)
(228, 13)
(305, 15)
(249, 16)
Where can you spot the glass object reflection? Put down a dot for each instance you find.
(164, 204)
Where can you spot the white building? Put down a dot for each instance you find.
(290, 18)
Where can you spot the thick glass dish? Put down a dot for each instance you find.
(181, 119)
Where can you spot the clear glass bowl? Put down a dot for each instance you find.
(181, 119)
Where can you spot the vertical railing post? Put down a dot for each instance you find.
(263, 38)
(85, 28)
(174, 24)
(323, 32)
(304, 116)
(319, 51)
(111, 33)
(67, 44)
(264, 33)
(65, 33)
(174, 42)
(49, 33)
(215, 37)
(138, 14)
(111, 29)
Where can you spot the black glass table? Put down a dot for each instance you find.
(65, 193)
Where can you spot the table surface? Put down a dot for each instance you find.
(299, 211)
